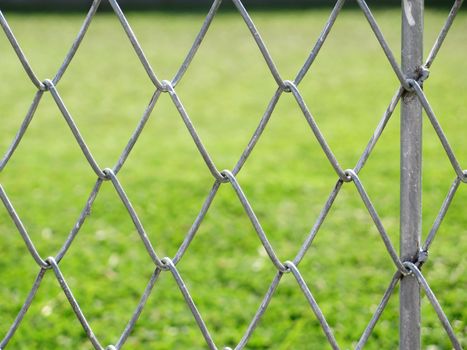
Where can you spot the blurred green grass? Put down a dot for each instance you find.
(287, 179)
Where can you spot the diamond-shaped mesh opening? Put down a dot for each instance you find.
(295, 180)
(175, 178)
(166, 321)
(210, 79)
(433, 333)
(437, 184)
(17, 89)
(45, 40)
(238, 284)
(450, 109)
(290, 48)
(292, 327)
(58, 182)
(14, 293)
(388, 324)
(48, 310)
(167, 37)
(116, 108)
(446, 275)
(378, 172)
(110, 247)
(328, 278)
(350, 118)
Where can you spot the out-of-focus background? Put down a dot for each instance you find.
(287, 179)
(188, 4)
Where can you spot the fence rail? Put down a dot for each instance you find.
(408, 268)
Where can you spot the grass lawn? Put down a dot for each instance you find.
(287, 180)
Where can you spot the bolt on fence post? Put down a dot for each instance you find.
(411, 173)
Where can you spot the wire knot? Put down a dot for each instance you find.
(287, 86)
(349, 175)
(167, 264)
(108, 174)
(166, 86)
(464, 176)
(410, 85)
(289, 266)
(225, 176)
(422, 257)
(46, 85)
(423, 74)
(49, 263)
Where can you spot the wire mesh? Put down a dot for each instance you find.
(227, 177)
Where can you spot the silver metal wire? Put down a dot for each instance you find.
(163, 265)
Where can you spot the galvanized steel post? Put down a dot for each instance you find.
(411, 173)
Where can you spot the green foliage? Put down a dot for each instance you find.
(287, 179)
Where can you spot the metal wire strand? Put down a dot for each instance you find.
(194, 134)
(24, 309)
(319, 136)
(442, 213)
(136, 46)
(435, 303)
(384, 44)
(22, 130)
(439, 131)
(74, 305)
(21, 229)
(19, 52)
(444, 32)
(377, 221)
(139, 309)
(74, 129)
(260, 42)
(379, 311)
(190, 303)
(77, 42)
(254, 220)
(134, 217)
(314, 305)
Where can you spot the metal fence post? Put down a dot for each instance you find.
(411, 174)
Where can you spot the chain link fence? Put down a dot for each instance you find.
(411, 85)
